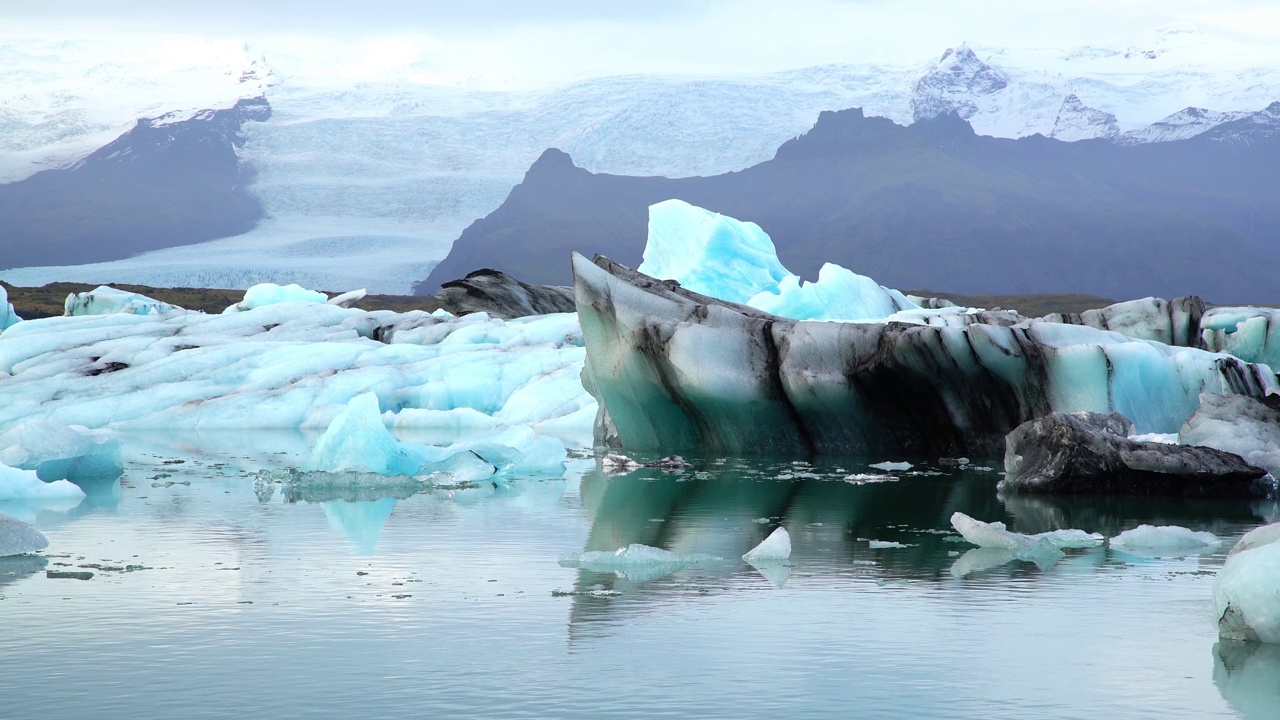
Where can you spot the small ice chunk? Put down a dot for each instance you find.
(17, 484)
(1072, 539)
(775, 548)
(995, 535)
(19, 538)
(636, 562)
(885, 544)
(617, 461)
(264, 294)
(869, 478)
(1165, 538)
(357, 440)
(888, 466)
(348, 299)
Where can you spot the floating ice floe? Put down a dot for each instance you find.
(1042, 547)
(59, 452)
(1246, 593)
(885, 545)
(1163, 539)
(869, 478)
(635, 562)
(17, 537)
(106, 300)
(17, 484)
(888, 466)
(773, 549)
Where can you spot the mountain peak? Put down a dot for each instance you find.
(1077, 121)
(551, 161)
(953, 84)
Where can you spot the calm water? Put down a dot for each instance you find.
(454, 605)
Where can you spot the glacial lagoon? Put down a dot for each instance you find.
(227, 597)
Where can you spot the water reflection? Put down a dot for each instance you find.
(361, 521)
(14, 568)
(1248, 676)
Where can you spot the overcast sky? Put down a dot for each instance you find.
(560, 39)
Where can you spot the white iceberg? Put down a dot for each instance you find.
(17, 484)
(1161, 539)
(60, 452)
(264, 294)
(775, 548)
(1040, 548)
(106, 300)
(1246, 594)
(19, 538)
(887, 466)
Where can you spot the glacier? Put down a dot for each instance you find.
(368, 183)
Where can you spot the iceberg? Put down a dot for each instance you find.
(1249, 333)
(59, 452)
(1165, 539)
(17, 537)
(7, 315)
(357, 440)
(106, 300)
(773, 549)
(17, 484)
(677, 371)
(736, 261)
(1246, 593)
(1243, 426)
(294, 365)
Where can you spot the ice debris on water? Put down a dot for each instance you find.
(1246, 594)
(18, 484)
(19, 538)
(775, 548)
(998, 545)
(869, 478)
(885, 544)
(635, 562)
(1165, 539)
(617, 462)
(891, 466)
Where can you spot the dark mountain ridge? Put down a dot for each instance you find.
(933, 204)
(161, 184)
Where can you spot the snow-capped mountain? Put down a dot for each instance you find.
(368, 184)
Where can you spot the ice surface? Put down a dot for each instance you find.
(7, 315)
(1165, 538)
(18, 484)
(357, 440)
(1246, 595)
(264, 294)
(59, 452)
(736, 261)
(17, 537)
(1249, 333)
(104, 300)
(775, 548)
(294, 365)
(1242, 426)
